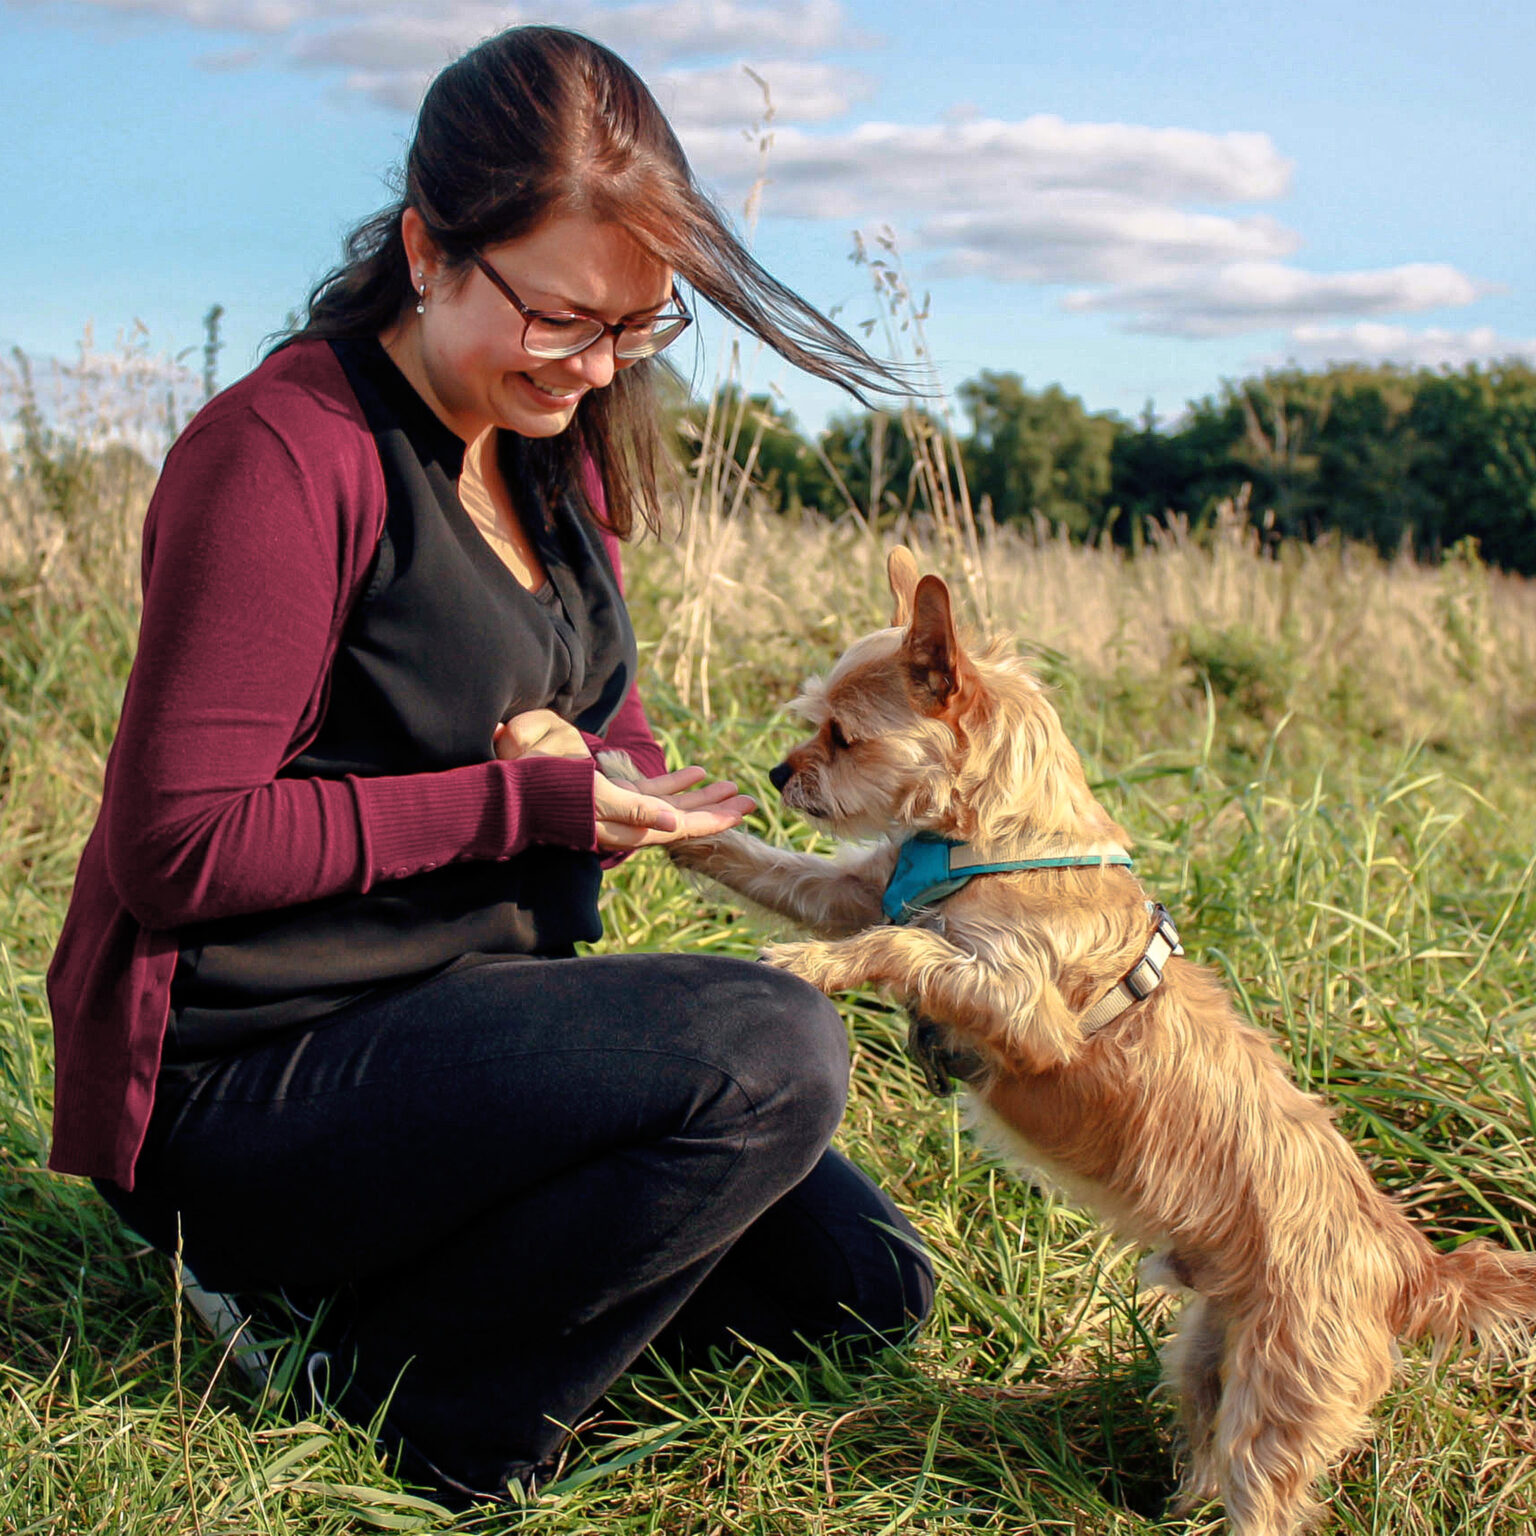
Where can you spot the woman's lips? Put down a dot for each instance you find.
(561, 395)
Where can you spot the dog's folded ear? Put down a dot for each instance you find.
(901, 572)
(935, 662)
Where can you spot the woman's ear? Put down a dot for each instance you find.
(420, 251)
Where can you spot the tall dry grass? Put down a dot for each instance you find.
(1328, 636)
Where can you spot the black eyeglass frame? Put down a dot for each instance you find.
(503, 287)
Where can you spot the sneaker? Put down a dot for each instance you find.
(221, 1315)
(317, 1372)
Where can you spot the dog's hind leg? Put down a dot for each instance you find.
(1296, 1391)
(1192, 1369)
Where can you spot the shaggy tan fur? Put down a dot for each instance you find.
(1176, 1123)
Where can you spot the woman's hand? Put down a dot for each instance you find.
(636, 813)
(538, 733)
(666, 809)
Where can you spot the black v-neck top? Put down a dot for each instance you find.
(442, 645)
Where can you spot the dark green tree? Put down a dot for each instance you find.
(1330, 449)
(881, 469)
(1367, 482)
(1038, 452)
(763, 439)
(1154, 472)
(1478, 431)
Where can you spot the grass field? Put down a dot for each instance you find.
(1325, 761)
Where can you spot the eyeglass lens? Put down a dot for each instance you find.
(566, 335)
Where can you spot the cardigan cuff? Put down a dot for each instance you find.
(493, 810)
(552, 800)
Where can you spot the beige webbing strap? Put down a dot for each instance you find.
(1143, 978)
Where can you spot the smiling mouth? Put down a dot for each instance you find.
(561, 393)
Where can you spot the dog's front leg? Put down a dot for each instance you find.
(1014, 1008)
(831, 896)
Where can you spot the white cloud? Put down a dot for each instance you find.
(1256, 295)
(393, 89)
(1067, 236)
(391, 61)
(388, 52)
(261, 17)
(414, 43)
(371, 34)
(1373, 342)
(727, 96)
(880, 169)
(1045, 201)
(672, 29)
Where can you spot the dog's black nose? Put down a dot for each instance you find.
(780, 776)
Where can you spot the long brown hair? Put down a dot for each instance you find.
(537, 123)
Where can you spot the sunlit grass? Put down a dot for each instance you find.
(1324, 761)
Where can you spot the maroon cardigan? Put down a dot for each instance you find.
(258, 539)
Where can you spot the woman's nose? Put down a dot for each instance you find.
(598, 364)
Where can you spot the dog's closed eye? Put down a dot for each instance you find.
(840, 742)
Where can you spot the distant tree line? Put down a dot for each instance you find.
(1380, 454)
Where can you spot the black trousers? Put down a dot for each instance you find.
(519, 1173)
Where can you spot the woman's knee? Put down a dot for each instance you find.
(788, 1044)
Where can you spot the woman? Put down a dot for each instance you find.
(319, 1013)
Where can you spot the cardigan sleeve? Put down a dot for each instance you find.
(258, 537)
(629, 730)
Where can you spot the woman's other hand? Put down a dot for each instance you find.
(666, 809)
(636, 813)
(538, 733)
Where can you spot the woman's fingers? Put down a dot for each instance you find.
(627, 818)
(719, 816)
(614, 835)
(671, 783)
(706, 795)
(627, 807)
(684, 789)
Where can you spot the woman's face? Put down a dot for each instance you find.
(465, 354)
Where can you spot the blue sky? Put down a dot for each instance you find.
(1132, 199)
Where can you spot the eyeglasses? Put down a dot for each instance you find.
(564, 333)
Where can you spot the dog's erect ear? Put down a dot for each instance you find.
(901, 572)
(934, 658)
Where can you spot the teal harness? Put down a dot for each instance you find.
(930, 867)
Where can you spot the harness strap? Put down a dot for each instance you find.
(943, 1063)
(1143, 978)
(929, 868)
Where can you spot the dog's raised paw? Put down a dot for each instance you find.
(618, 766)
(817, 963)
(696, 853)
(799, 959)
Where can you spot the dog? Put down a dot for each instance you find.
(1100, 1060)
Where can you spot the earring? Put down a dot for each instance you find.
(421, 302)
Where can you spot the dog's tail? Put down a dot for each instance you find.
(1479, 1290)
